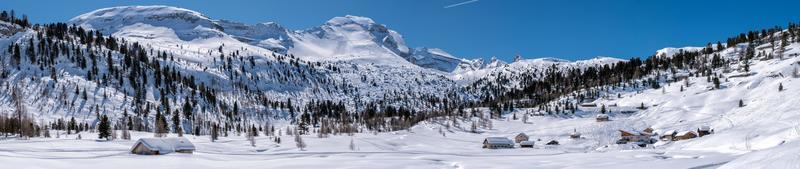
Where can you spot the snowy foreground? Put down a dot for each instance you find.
(421, 147)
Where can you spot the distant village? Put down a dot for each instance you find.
(640, 138)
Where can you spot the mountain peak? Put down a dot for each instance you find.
(128, 11)
(187, 24)
(350, 19)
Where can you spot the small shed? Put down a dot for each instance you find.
(602, 117)
(521, 137)
(575, 134)
(158, 146)
(685, 135)
(552, 142)
(526, 144)
(704, 130)
(497, 142)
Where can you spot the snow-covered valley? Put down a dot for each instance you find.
(361, 98)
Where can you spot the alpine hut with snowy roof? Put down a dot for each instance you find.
(158, 146)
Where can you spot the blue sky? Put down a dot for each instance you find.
(569, 29)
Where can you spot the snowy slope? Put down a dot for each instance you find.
(499, 69)
(670, 51)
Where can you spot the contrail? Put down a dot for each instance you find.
(459, 4)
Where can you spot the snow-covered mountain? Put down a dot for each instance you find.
(351, 38)
(187, 25)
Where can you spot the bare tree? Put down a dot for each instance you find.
(25, 128)
(299, 141)
(352, 144)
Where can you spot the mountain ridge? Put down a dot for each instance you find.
(340, 38)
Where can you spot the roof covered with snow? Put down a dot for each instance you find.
(526, 143)
(166, 145)
(498, 140)
(683, 133)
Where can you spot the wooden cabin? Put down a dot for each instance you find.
(668, 135)
(521, 137)
(686, 135)
(158, 146)
(552, 142)
(497, 142)
(704, 130)
(602, 117)
(648, 130)
(627, 136)
(526, 144)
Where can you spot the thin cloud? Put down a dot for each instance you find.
(459, 4)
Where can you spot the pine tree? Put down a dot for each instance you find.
(176, 122)
(741, 103)
(746, 64)
(160, 125)
(780, 87)
(103, 128)
(214, 132)
(187, 109)
(603, 109)
(16, 56)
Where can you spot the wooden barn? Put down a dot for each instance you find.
(686, 135)
(633, 136)
(497, 142)
(158, 146)
(668, 135)
(521, 137)
(704, 130)
(648, 130)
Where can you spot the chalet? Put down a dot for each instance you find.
(685, 135)
(602, 117)
(497, 142)
(526, 144)
(633, 136)
(668, 135)
(520, 138)
(552, 142)
(575, 134)
(158, 146)
(704, 130)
